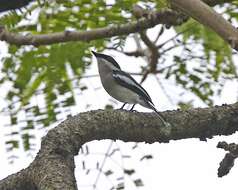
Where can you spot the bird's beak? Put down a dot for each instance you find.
(94, 53)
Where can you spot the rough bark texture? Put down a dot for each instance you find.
(53, 167)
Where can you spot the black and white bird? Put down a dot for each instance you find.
(121, 86)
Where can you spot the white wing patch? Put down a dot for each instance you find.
(127, 81)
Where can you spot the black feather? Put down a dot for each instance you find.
(124, 79)
(108, 58)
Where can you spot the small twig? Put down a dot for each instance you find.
(103, 163)
(164, 68)
(144, 77)
(161, 31)
(169, 48)
(164, 90)
(154, 54)
(174, 37)
(137, 41)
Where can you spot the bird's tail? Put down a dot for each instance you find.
(165, 123)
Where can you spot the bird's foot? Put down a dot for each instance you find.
(132, 108)
(121, 108)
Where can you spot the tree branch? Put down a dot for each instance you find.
(53, 167)
(208, 17)
(154, 53)
(197, 9)
(162, 17)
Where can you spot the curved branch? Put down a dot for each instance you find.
(53, 167)
(154, 53)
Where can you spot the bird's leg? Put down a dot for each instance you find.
(132, 107)
(123, 106)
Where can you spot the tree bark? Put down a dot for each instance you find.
(53, 167)
(208, 17)
(163, 17)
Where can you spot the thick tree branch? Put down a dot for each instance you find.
(208, 17)
(53, 167)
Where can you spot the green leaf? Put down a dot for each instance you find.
(32, 87)
(194, 78)
(12, 143)
(26, 141)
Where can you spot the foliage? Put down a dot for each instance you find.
(49, 70)
(214, 64)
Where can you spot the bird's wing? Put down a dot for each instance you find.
(124, 79)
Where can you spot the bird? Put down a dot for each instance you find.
(121, 86)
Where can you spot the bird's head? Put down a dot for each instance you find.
(106, 60)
